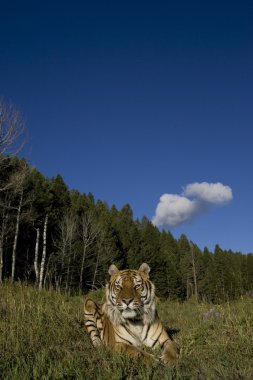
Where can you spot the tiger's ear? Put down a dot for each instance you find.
(113, 270)
(145, 268)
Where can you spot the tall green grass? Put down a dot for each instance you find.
(42, 337)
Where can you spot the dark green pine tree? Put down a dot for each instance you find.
(81, 203)
(247, 273)
(59, 198)
(225, 280)
(150, 253)
(124, 228)
(185, 268)
(134, 251)
(207, 285)
(170, 281)
(108, 247)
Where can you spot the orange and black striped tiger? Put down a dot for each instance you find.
(128, 319)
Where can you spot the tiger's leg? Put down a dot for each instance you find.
(170, 348)
(157, 336)
(91, 318)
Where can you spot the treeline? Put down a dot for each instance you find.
(60, 238)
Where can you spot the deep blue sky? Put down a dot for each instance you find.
(131, 100)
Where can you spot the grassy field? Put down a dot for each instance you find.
(42, 337)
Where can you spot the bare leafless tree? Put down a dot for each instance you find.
(36, 256)
(89, 231)
(43, 259)
(4, 216)
(17, 182)
(12, 130)
(67, 230)
(103, 255)
(12, 201)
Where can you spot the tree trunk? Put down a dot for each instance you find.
(1, 257)
(187, 288)
(62, 263)
(2, 249)
(14, 250)
(194, 275)
(82, 268)
(43, 259)
(95, 273)
(36, 255)
(72, 270)
(68, 269)
(90, 230)
(2, 234)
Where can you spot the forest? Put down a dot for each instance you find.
(54, 237)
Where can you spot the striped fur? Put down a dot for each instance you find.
(128, 320)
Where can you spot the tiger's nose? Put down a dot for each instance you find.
(127, 301)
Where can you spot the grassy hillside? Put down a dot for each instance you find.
(41, 337)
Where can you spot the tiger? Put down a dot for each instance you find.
(128, 320)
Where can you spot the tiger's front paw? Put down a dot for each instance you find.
(97, 342)
(171, 353)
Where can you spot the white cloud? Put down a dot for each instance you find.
(209, 192)
(174, 209)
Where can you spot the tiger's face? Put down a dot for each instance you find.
(130, 293)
